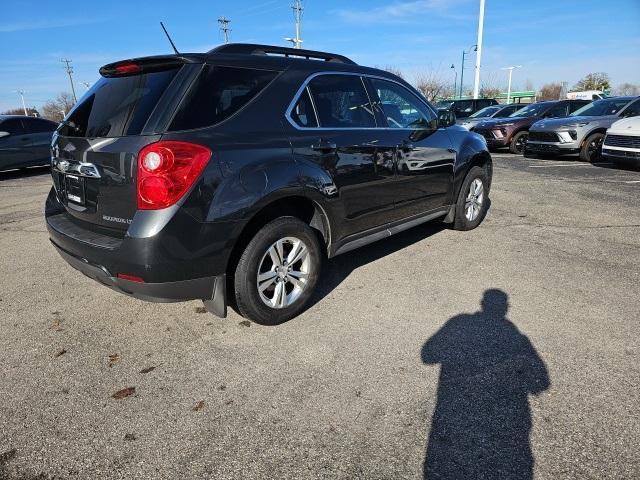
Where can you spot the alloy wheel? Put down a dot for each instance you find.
(475, 200)
(283, 273)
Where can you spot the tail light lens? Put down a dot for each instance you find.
(166, 170)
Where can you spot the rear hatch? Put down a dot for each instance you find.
(94, 151)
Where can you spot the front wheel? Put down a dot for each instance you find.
(278, 271)
(519, 142)
(473, 200)
(591, 150)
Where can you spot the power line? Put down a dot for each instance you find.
(69, 70)
(224, 27)
(298, 11)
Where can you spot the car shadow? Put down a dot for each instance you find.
(337, 269)
(23, 173)
(482, 421)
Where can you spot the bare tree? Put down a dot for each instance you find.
(396, 71)
(31, 111)
(627, 89)
(550, 91)
(490, 87)
(433, 85)
(53, 109)
(528, 85)
(593, 81)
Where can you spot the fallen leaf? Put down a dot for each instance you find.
(129, 437)
(201, 310)
(56, 325)
(199, 406)
(147, 370)
(245, 323)
(60, 353)
(124, 393)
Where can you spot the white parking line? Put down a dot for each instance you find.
(632, 181)
(556, 165)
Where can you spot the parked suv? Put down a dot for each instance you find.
(494, 111)
(228, 176)
(465, 108)
(581, 132)
(24, 141)
(513, 131)
(622, 143)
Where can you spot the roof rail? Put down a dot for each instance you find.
(253, 49)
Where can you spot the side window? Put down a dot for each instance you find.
(632, 110)
(341, 102)
(400, 107)
(483, 103)
(303, 114)
(218, 93)
(509, 110)
(559, 111)
(13, 126)
(573, 106)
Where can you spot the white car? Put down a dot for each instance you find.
(622, 143)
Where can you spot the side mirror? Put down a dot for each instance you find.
(4, 134)
(446, 118)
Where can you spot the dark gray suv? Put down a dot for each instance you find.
(24, 141)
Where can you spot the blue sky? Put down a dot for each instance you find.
(554, 40)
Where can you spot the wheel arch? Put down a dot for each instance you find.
(601, 130)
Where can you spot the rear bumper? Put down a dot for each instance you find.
(168, 273)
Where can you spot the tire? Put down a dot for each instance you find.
(278, 238)
(462, 220)
(591, 150)
(518, 142)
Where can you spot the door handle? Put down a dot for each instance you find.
(324, 147)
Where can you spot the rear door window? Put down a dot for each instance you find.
(117, 106)
(559, 111)
(218, 93)
(341, 102)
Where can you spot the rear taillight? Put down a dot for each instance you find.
(166, 170)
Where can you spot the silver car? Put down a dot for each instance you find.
(581, 132)
(492, 111)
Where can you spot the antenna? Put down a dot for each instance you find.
(224, 27)
(173, 45)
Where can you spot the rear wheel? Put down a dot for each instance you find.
(518, 142)
(473, 200)
(591, 150)
(278, 271)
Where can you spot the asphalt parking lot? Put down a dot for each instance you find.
(508, 352)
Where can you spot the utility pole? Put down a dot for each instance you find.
(224, 28)
(24, 107)
(69, 70)
(476, 83)
(298, 10)
(511, 69)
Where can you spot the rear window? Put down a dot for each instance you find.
(117, 106)
(218, 93)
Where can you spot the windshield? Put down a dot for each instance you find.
(486, 112)
(601, 108)
(533, 110)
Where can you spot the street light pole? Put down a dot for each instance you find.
(462, 72)
(511, 69)
(476, 83)
(24, 107)
(455, 81)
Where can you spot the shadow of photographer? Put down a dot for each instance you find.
(482, 420)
